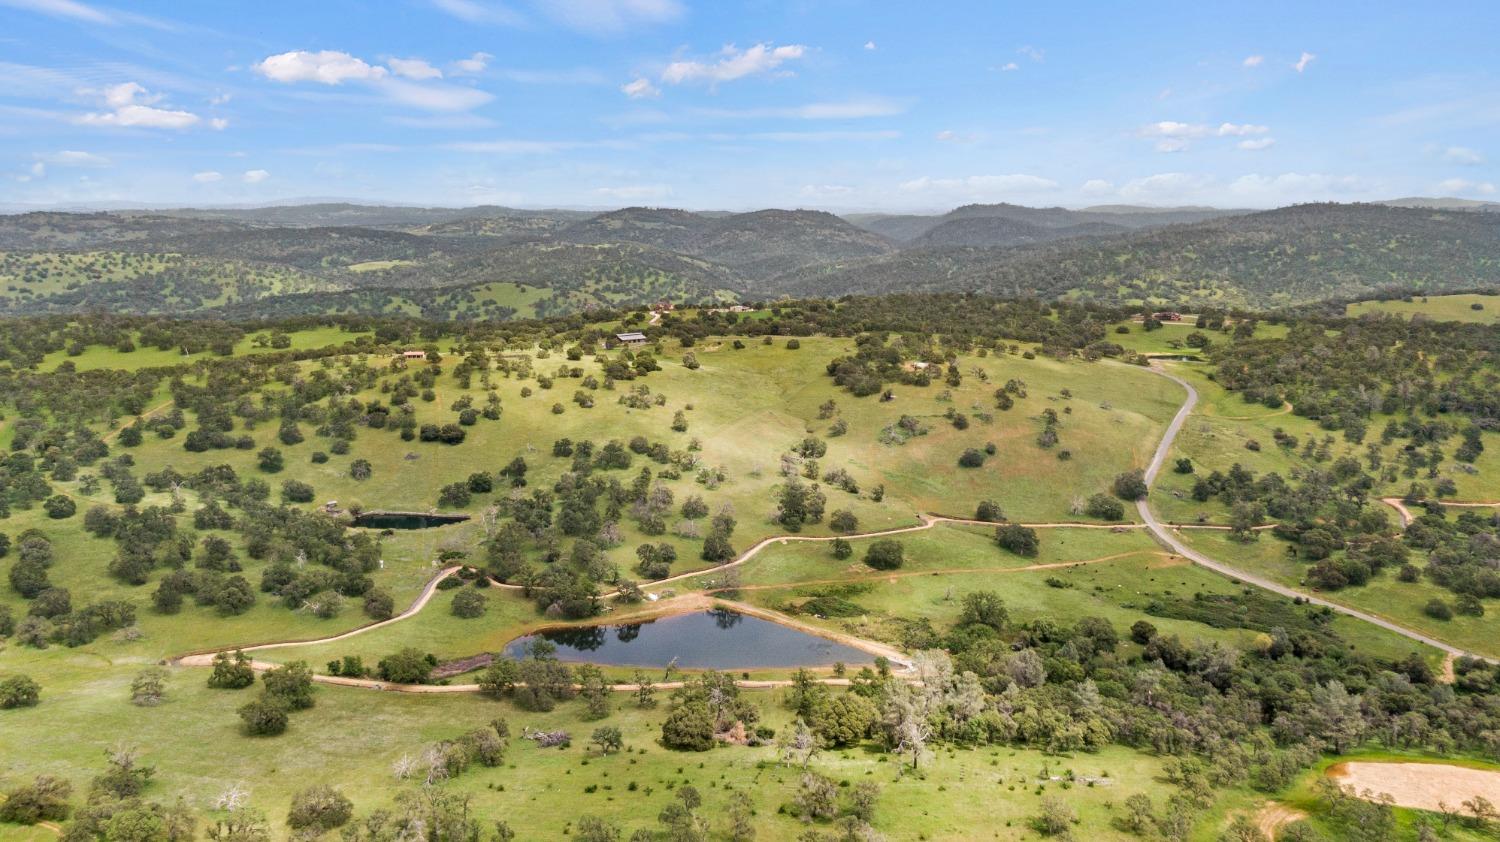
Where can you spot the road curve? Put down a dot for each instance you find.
(1169, 539)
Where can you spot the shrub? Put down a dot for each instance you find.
(469, 604)
(60, 506)
(296, 491)
(1131, 485)
(319, 807)
(1105, 507)
(885, 555)
(1438, 610)
(989, 510)
(971, 458)
(409, 666)
(843, 520)
(19, 691)
(1018, 539)
(264, 717)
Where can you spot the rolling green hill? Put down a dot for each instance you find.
(1280, 257)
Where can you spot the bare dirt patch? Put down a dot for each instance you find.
(1274, 816)
(1420, 785)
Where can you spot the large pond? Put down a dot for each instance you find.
(716, 639)
(405, 520)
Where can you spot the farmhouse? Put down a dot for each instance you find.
(631, 340)
(414, 355)
(1167, 316)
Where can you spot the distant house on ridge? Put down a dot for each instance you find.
(631, 340)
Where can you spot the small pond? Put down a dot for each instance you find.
(405, 520)
(716, 639)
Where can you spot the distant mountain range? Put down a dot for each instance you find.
(499, 262)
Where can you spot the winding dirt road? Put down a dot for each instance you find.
(1171, 541)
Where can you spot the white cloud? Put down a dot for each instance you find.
(1175, 136)
(732, 64)
(208, 177)
(254, 176)
(1009, 66)
(869, 45)
(611, 16)
(127, 93)
(38, 169)
(1303, 62)
(331, 67)
(327, 67)
(636, 192)
(1257, 144)
(1097, 187)
(1462, 185)
(75, 158)
(132, 106)
(1462, 155)
(413, 68)
(980, 187)
(475, 63)
(220, 99)
(640, 89)
(219, 124)
(1253, 61)
(62, 9)
(945, 135)
(1033, 53)
(1171, 128)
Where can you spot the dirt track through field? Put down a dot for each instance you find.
(1274, 816)
(113, 434)
(950, 571)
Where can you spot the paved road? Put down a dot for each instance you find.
(1170, 539)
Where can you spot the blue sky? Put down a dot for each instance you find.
(741, 104)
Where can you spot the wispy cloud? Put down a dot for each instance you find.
(1462, 155)
(1303, 62)
(1253, 61)
(413, 68)
(75, 158)
(473, 11)
(475, 63)
(1461, 186)
(640, 88)
(732, 63)
(610, 17)
(635, 192)
(254, 176)
(63, 9)
(854, 109)
(980, 186)
(208, 177)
